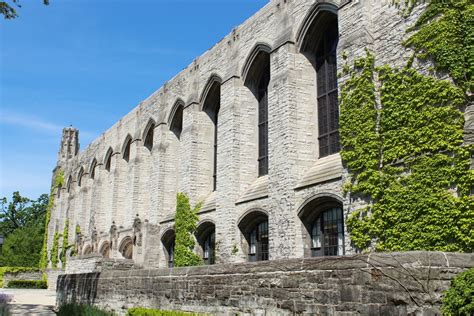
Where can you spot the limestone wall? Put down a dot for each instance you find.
(32, 275)
(375, 284)
(147, 184)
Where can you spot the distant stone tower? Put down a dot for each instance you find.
(69, 144)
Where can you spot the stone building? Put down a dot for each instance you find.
(250, 129)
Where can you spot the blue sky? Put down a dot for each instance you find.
(87, 63)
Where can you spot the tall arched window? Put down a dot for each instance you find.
(254, 227)
(148, 143)
(319, 38)
(108, 159)
(79, 177)
(92, 169)
(257, 78)
(126, 149)
(211, 107)
(323, 219)
(263, 122)
(69, 183)
(176, 123)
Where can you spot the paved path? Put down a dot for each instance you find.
(31, 302)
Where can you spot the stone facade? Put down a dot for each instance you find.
(121, 192)
(377, 284)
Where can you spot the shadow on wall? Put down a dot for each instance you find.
(77, 288)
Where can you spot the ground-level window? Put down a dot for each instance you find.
(327, 233)
(168, 241)
(209, 249)
(258, 245)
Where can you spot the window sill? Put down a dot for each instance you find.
(257, 190)
(325, 169)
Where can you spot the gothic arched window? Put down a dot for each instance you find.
(108, 159)
(148, 143)
(79, 177)
(176, 124)
(168, 244)
(206, 237)
(92, 169)
(211, 107)
(126, 149)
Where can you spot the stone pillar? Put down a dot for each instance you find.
(282, 135)
(157, 180)
(228, 153)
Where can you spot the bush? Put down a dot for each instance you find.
(28, 284)
(458, 299)
(140, 311)
(81, 310)
(4, 270)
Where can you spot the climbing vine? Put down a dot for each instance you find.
(185, 227)
(65, 243)
(54, 251)
(58, 181)
(402, 138)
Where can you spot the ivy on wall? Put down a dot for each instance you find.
(445, 33)
(406, 156)
(185, 226)
(55, 251)
(58, 181)
(65, 246)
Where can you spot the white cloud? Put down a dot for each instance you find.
(28, 122)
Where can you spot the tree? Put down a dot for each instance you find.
(22, 248)
(20, 212)
(8, 10)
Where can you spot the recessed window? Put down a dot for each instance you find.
(126, 150)
(327, 233)
(254, 227)
(149, 137)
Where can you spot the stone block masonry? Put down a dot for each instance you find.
(409, 283)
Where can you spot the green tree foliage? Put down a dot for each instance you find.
(458, 299)
(185, 227)
(23, 247)
(406, 156)
(8, 9)
(20, 212)
(22, 224)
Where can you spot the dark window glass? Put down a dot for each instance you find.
(170, 250)
(108, 162)
(328, 107)
(263, 122)
(327, 233)
(177, 123)
(209, 249)
(149, 137)
(93, 170)
(126, 152)
(258, 242)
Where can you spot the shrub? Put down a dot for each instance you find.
(458, 299)
(140, 311)
(81, 310)
(4, 270)
(28, 284)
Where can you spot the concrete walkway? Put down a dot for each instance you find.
(31, 302)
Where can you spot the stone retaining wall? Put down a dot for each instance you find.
(374, 284)
(30, 275)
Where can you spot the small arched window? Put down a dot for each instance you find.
(105, 250)
(206, 237)
(126, 248)
(126, 149)
(324, 223)
(254, 227)
(168, 243)
(149, 137)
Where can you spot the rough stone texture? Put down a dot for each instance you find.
(52, 278)
(147, 184)
(10, 276)
(375, 284)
